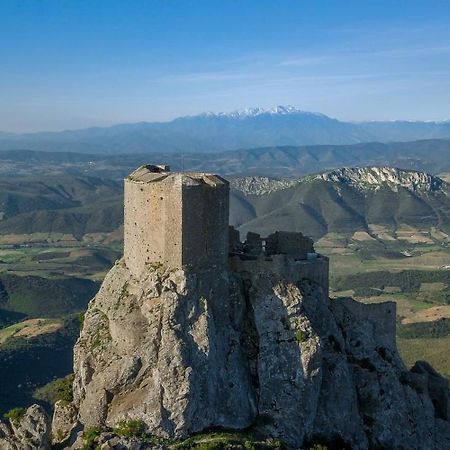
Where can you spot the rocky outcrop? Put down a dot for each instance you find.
(376, 177)
(362, 178)
(164, 349)
(64, 421)
(29, 432)
(256, 185)
(251, 347)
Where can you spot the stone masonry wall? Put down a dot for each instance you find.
(178, 219)
(316, 270)
(153, 223)
(205, 224)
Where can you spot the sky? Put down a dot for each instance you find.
(73, 64)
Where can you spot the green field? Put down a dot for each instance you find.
(76, 259)
(29, 329)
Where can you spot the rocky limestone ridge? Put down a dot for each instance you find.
(375, 177)
(252, 348)
(363, 178)
(260, 185)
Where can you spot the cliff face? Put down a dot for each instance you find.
(253, 347)
(164, 349)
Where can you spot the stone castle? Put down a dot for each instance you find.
(181, 219)
(194, 330)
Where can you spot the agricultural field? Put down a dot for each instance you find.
(29, 329)
(86, 259)
(44, 288)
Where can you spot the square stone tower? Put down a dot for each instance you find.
(175, 219)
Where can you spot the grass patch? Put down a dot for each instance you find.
(130, 428)
(301, 336)
(15, 415)
(226, 441)
(60, 389)
(89, 437)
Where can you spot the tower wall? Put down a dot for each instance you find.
(205, 223)
(175, 219)
(152, 223)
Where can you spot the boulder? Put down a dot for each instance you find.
(64, 421)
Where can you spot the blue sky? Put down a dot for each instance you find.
(70, 64)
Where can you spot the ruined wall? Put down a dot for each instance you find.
(297, 270)
(289, 243)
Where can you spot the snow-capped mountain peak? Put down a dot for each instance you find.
(253, 112)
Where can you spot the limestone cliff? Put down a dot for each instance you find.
(256, 347)
(375, 177)
(165, 349)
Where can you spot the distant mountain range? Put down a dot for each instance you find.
(432, 156)
(342, 200)
(209, 132)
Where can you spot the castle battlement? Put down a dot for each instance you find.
(175, 219)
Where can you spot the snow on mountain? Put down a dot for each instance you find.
(253, 112)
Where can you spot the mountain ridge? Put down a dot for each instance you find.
(315, 205)
(215, 132)
(432, 156)
(368, 177)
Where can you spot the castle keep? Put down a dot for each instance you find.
(175, 219)
(180, 219)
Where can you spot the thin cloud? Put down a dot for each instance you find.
(306, 61)
(201, 77)
(417, 51)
